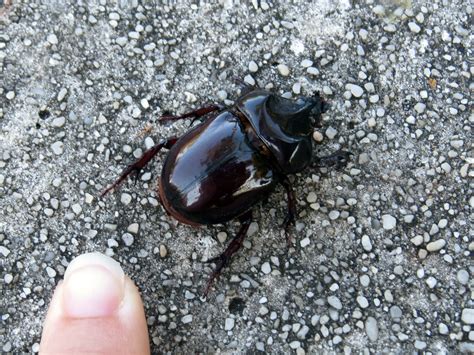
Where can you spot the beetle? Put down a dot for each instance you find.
(235, 158)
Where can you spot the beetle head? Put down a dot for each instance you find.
(296, 117)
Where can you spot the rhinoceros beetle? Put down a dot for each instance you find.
(221, 168)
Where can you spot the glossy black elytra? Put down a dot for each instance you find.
(221, 168)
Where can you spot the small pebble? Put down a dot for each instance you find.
(229, 324)
(10, 95)
(420, 345)
(187, 319)
(133, 228)
(414, 27)
(163, 251)
(431, 282)
(283, 69)
(125, 198)
(249, 80)
(266, 268)
(372, 328)
(76, 208)
(312, 197)
(318, 136)
(305, 63)
(334, 302)
(467, 315)
(436, 245)
(366, 243)
(52, 38)
(420, 107)
(388, 222)
(57, 147)
(362, 301)
(253, 67)
(331, 132)
(59, 122)
(62, 94)
(305, 242)
(8, 278)
(334, 214)
(463, 277)
(356, 90)
(127, 239)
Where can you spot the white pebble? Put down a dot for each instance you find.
(62, 94)
(331, 132)
(133, 228)
(372, 328)
(187, 319)
(312, 197)
(362, 301)
(414, 27)
(249, 80)
(334, 214)
(51, 272)
(229, 324)
(334, 302)
(366, 243)
(467, 315)
(57, 147)
(356, 90)
(436, 245)
(145, 104)
(420, 107)
(127, 239)
(125, 198)
(52, 38)
(266, 268)
(305, 63)
(305, 242)
(431, 282)
(463, 277)
(10, 95)
(283, 69)
(388, 222)
(410, 119)
(296, 88)
(8, 278)
(253, 67)
(76, 208)
(59, 121)
(312, 71)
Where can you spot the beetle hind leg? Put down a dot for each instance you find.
(138, 165)
(224, 259)
(291, 212)
(195, 114)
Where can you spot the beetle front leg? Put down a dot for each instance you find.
(138, 165)
(338, 160)
(291, 213)
(195, 114)
(223, 260)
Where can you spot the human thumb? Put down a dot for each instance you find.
(96, 309)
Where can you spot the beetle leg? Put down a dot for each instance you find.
(223, 260)
(138, 165)
(338, 159)
(195, 114)
(291, 213)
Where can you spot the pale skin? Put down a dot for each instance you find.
(96, 310)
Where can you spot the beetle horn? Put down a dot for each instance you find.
(294, 116)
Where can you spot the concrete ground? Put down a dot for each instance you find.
(381, 256)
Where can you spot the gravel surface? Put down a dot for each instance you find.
(381, 256)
